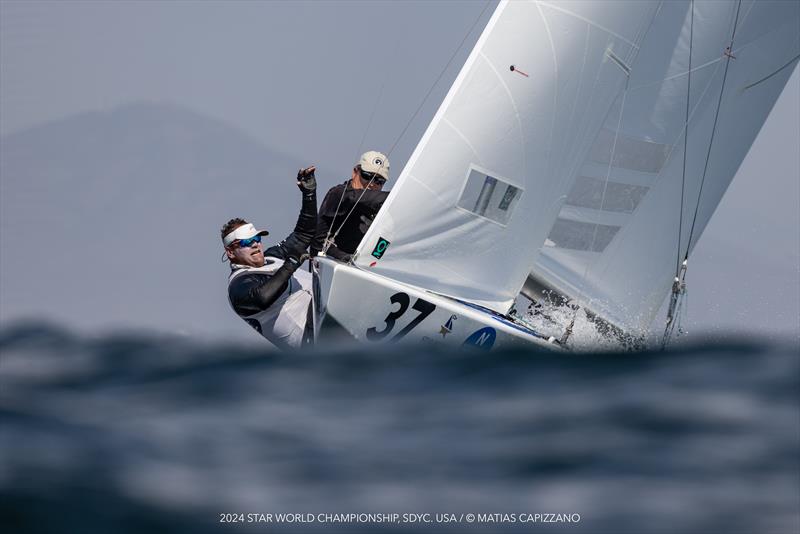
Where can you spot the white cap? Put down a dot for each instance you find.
(375, 162)
(245, 231)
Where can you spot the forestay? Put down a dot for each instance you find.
(574, 173)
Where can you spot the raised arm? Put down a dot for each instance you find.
(327, 212)
(298, 241)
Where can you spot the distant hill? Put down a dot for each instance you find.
(112, 218)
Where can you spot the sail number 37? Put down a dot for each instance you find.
(424, 308)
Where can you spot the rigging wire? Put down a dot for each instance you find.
(729, 56)
(329, 242)
(330, 239)
(378, 99)
(679, 285)
(452, 57)
(685, 138)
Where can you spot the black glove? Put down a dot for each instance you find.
(294, 262)
(366, 221)
(306, 180)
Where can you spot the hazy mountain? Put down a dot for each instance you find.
(108, 217)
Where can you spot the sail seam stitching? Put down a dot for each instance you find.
(463, 138)
(555, 90)
(513, 104)
(587, 21)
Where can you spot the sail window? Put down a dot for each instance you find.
(629, 152)
(589, 192)
(488, 196)
(576, 235)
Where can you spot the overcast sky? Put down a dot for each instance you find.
(303, 78)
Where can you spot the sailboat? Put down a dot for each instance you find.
(579, 154)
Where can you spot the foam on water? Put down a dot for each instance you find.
(552, 316)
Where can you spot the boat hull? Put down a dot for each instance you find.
(356, 304)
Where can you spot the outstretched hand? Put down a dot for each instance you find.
(306, 180)
(294, 262)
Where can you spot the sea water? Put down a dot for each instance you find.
(146, 433)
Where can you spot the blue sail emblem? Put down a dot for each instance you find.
(483, 338)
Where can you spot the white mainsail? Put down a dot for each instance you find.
(570, 166)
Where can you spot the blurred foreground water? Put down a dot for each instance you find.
(136, 433)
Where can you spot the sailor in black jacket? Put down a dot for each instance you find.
(265, 288)
(349, 208)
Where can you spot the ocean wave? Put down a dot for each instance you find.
(136, 432)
